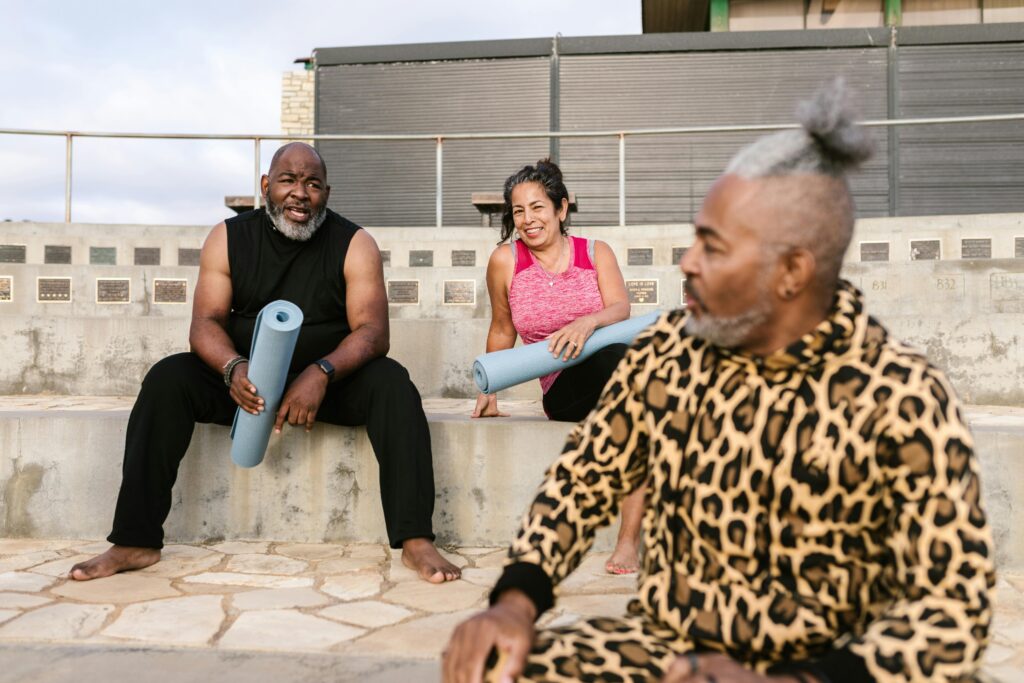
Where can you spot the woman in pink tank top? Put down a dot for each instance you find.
(546, 285)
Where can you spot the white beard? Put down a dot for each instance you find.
(300, 232)
(731, 332)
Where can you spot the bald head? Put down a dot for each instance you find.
(294, 148)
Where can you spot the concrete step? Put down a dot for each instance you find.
(62, 472)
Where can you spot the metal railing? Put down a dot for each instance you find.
(439, 141)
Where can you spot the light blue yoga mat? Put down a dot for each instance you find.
(500, 370)
(273, 341)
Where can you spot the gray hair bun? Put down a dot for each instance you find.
(828, 119)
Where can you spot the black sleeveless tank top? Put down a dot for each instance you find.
(267, 266)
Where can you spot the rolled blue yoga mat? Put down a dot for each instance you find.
(500, 370)
(273, 341)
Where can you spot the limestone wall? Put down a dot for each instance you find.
(298, 104)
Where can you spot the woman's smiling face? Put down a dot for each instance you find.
(537, 221)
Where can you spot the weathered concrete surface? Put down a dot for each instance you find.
(234, 634)
(323, 486)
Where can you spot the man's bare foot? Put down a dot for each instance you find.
(420, 555)
(118, 558)
(624, 559)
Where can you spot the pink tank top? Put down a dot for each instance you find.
(542, 305)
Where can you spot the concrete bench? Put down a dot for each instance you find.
(63, 467)
(490, 203)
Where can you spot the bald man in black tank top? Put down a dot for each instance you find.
(298, 250)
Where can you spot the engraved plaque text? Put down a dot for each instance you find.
(57, 254)
(974, 248)
(642, 291)
(147, 256)
(678, 253)
(640, 257)
(385, 257)
(53, 289)
(874, 251)
(113, 290)
(925, 250)
(170, 291)
(421, 258)
(188, 257)
(1018, 247)
(403, 291)
(12, 253)
(103, 256)
(463, 257)
(6, 288)
(460, 292)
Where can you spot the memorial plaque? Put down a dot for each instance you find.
(103, 256)
(975, 248)
(113, 290)
(6, 288)
(925, 250)
(385, 257)
(53, 290)
(464, 257)
(170, 291)
(678, 253)
(12, 253)
(682, 292)
(147, 256)
(874, 251)
(423, 258)
(401, 292)
(1018, 247)
(642, 291)
(188, 257)
(640, 257)
(57, 254)
(460, 292)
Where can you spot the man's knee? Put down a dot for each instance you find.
(387, 373)
(172, 371)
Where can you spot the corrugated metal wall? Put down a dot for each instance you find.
(393, 183)
(667, 176)
(943, 169)
(964, 168)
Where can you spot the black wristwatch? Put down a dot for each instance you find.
(326, 367)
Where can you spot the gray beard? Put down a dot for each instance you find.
(300, 232)
(731, 332)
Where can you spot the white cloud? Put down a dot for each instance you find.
(201, 67)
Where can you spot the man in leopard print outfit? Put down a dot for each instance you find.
(814, 510)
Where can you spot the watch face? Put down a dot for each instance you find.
(326, 367)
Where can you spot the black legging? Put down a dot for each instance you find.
(181, 390)
(576, 390)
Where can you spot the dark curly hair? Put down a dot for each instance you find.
(547, 173)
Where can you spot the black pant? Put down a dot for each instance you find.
(576, 390)
(181, 390)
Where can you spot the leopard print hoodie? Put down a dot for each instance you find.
(818, 506)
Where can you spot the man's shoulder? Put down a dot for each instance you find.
(244, 217)
(338, 221)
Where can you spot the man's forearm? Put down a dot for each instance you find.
(357, 349)
(210, 341)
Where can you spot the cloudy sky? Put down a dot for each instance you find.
(200, 67)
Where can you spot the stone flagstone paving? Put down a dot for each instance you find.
(352, 603)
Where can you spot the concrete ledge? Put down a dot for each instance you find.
(62, 472)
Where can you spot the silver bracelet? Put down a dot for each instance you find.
(229, 367)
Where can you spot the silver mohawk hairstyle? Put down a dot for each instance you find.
(827, 143)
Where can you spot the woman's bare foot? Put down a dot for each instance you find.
(624, 559)
(420, 555)
(118, 558)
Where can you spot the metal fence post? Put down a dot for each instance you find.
(622, 179)
(257, 189)
(67, 178)
(440, 182)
